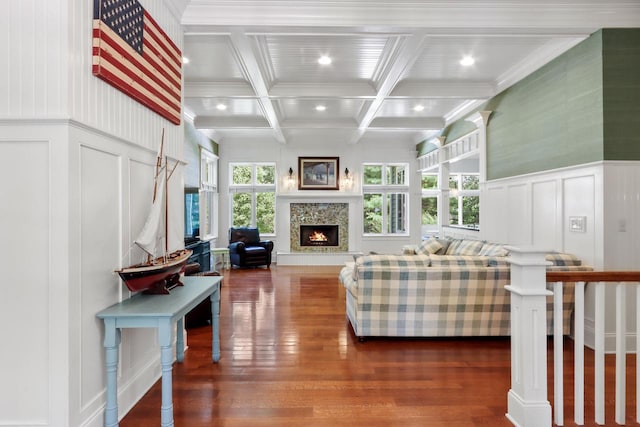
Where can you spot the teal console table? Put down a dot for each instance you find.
(163, 312)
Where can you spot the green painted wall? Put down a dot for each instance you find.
(621, 65)
(582, 107)
(552, 118)
(193, 140)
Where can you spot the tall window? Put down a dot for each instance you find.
(464, 200)
(429, 210)
(386, 198)
(253, 195)
(208, 195)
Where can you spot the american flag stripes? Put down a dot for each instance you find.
(133, 54)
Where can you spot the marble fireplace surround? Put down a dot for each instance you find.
(319, 214)
(317, 207)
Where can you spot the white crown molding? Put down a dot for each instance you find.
(585, 14)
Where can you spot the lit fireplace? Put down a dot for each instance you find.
(319, 235)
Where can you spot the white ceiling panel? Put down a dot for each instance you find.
(260, 59)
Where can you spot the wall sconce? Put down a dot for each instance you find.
(291, 178)
(347, 179)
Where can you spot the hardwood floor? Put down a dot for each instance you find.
(290, 358)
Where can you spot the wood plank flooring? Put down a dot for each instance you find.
(290, 358)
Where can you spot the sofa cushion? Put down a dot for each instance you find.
(493, 249)
(460, 260)
(429, 246)
(464, 247)
(563, 259)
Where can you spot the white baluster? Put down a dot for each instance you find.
(558, 353)
(578, 367)
(621, 352)
(599, 353)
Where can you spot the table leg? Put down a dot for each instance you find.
(215, 328)
(180, 340)
(165, 337)
(111, 344)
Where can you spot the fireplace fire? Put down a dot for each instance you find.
(319, 235)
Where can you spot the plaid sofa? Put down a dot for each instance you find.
(436, 296)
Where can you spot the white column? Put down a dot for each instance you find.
(528, 404)
(481, 120)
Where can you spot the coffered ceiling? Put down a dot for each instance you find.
(395, 72)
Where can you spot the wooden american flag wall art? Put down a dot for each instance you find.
(133, 54)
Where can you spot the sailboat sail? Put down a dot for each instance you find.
(153, 229)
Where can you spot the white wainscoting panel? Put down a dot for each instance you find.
(25, 361)
(519, 219)
(543, 207)
(579, 205)
(99, 230)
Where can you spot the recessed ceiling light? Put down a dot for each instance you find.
(185, 60)
(418, 107)
(221, 107)
(320, 108)
(467, 60)
(324, 60)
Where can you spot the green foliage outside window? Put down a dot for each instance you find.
(241, 209)
(470, 182)
(241, 174)
(430, 210)
(265, 174)
(265, 212)
(372, 213)
(372, 175)
(471, 210)
(429, 182)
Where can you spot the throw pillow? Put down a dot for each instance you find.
(429, 246)
(563, 259)
(493, 249)
(465, 247)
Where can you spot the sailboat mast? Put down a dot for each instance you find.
(166, 206)
(158, 166)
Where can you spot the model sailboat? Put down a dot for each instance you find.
(161, 271)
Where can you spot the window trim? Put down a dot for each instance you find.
(209, 162)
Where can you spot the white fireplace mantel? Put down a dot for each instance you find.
(318, 196)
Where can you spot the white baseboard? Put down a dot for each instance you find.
(609, 338)
(314, 258)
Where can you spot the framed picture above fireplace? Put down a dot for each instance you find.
(318, 173)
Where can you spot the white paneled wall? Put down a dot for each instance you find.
(78, 157)
(48, 75)
(27, 291)
(537, 210)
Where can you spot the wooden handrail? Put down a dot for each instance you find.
(593, 276)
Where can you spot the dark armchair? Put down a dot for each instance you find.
(247, 250)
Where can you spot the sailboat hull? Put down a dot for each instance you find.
(156, 277)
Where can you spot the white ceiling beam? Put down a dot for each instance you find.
(250, 67)
(408, 53)
(440, 89)
(319, 90)
(332, 123)
(218, 90)
(249, 122)
(420, 123)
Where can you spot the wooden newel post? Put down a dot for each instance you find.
(528, 404)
